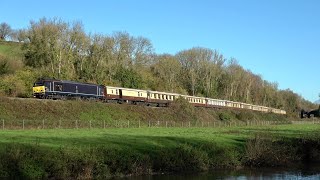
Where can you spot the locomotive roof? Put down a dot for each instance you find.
(66, 81)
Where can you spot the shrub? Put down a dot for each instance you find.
(225, 116)
(19, 84)
(183, 109)
(245, 115)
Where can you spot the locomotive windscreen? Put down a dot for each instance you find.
(38, 83)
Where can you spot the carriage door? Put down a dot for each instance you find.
(120, 93)
(148, 95)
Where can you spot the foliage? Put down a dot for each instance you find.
(128, 78)
(225, 116)
(58, 49)
(184, 109)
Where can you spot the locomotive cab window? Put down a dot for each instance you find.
(58, 87)
(38, 84)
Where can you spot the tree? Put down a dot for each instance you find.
(167, 69)
(189, 60)
(5, 31)
(128, 78)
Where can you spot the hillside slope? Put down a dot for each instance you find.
(14, 110)
(10, 49)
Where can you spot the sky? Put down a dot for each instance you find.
(277, 39)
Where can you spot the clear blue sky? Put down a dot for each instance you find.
(278, 39)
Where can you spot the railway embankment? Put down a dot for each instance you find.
(35, 113)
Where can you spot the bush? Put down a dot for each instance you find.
(245, 115)
(183, 109)
(9, 65)
(225, 115)
(266, 151)
(18, 84)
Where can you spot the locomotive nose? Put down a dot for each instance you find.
(39, 89)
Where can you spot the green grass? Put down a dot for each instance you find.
(104, 153)
(148, 137)
(10, 49)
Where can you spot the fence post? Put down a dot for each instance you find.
(128, 124)
(166, 124)
(23, 124)
(214, 124)
(76, 124)
(90, 124)
(59, 123)
(189, 124)
(139, 123)
(149, 124)
(42, 123)
(3, 124)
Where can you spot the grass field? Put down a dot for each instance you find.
(148, 137)
(10, 49)
(104, 153)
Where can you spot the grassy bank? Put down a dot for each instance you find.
(99, 153)
(14, 110)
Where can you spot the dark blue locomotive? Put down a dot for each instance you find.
(60, 89)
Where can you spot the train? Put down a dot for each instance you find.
(46, 88)
(309, 114)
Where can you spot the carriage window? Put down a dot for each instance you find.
(111, 91)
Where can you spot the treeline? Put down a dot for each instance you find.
(58, 49)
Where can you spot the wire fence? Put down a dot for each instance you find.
(102, 124)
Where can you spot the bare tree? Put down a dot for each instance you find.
(19, 35)
(5, 31)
